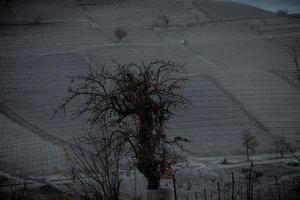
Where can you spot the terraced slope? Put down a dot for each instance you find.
(33, 87)
(215, 119)
(241, 75)
(48, 38)
(26, 154)
(271, 100)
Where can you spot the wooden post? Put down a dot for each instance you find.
(232, 186)
(251, 191)
(278, 188)
(249, 184)
(294, 188)
(284, 194)
(196, 197)
(241, 190)
(174, 186)
(205, 197)
(227, 191)
(219, 195)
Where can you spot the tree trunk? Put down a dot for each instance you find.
(298, 73)
(248, 160)
(148, 164)
(151, 173)
(153, 183)
(149, 167)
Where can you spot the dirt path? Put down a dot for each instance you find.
(236, 161)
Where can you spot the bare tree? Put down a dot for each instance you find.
(249, 141)
(120, 34)
(280, 145)
(295, 54)
(93, 166)
(292, 151)
(135, 101)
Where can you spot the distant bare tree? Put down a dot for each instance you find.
(135, 101)
(249, 141)
(120, 34)
(93, 166)
(295, 54)
(280, 145)
(292, 151)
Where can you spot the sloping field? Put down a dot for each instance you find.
(33, 86)
(241, 75)
(44, 11)
(141, 13)
(271, 100)
(48, 38)
(25, 154)
(215, 119)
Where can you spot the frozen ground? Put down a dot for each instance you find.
(241, 75)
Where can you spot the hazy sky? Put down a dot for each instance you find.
(293, 6)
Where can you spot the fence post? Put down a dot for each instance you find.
(277, 188)
(219, 195)
(250, 188)
(232, 187)
(241, 191)
(294, 188)
(205, 197)
(174, 186)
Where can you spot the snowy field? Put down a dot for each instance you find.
(241, 75)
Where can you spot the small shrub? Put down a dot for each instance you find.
(120, 34)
